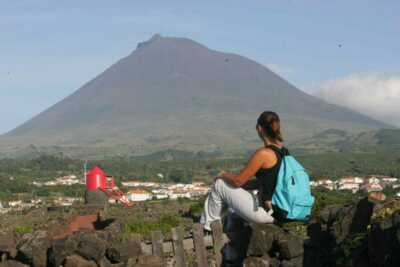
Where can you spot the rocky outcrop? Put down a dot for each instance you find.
(78, 261)
(148, 261)
(363, 234)
(383, 241)
(97, 247)
(12, 263)
(124, 251)
(8, 247)
(89, 245)
(33, 248)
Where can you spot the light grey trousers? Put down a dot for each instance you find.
(238, 200)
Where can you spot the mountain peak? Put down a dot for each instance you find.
(177, 90)
(153, 39)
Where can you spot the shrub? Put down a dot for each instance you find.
(145, 226)
(23, 230)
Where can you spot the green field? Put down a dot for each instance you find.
(181, 166)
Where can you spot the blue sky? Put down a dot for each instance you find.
(48, 49)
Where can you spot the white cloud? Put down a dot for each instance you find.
(376, 95)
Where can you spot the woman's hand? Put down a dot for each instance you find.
(221, 175)
(268, 205)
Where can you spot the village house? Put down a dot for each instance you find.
(161, 196)
(50, 183)
(372, 180)
(67, 180)
(352, 183)
(390, 180)
(3, 210)
(177, 193)
(15, 203)
(198, 192)
(351, 180)
(354, 187)
(325, 183)
(373, 187)
(169, 190)
(198, 184)
(139, 184)
(36, 202)
(63, 180)
(138, 195)
(66, 201)
(160, 193)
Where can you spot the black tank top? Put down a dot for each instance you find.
(267, 177)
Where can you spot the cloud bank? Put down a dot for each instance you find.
(376, 95)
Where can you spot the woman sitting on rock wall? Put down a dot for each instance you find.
(230, 190)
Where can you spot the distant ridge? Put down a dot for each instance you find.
(176, 93)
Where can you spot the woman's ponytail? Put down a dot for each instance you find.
(271, 125)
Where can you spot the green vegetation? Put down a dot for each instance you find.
(16, 175)
(324, 197)
(348, 247)
(338, 164)
(23, 230)
(144, 226)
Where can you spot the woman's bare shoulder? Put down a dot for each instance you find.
(264, 152)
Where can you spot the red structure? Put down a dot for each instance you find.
(97, 179)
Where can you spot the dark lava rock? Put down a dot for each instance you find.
(239, 234)
(352, 219)
(90, 246)
(77, 261)
(12, 263)
(112, 231)
(296, 262)
(264, 261)
(104, 262)
(290, 246)
(33, 249)
(61, 249)
(329, 214)
(86, 244)
(262, 238)
(8, 247)
(123, 251)
(149, 261)
(384, 246)
(396, 218)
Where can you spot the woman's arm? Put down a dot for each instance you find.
(255, 163)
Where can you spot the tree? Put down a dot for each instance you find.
(176, 175)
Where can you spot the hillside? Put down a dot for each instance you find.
(177, 93)
(333, 140)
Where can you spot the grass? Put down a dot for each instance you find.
(23, 230)
(145, 226)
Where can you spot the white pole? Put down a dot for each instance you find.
(84, 171)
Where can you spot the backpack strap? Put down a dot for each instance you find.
(279, 151)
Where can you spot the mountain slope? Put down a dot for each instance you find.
(174, 92)
(333, 140)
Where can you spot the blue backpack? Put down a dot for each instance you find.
(292, 199)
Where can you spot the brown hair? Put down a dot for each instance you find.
(271, 125)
